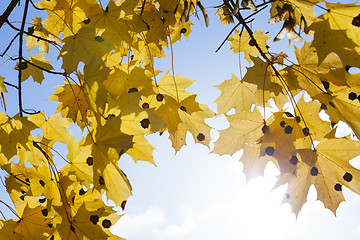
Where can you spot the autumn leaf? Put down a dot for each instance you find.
(242, 42)
(235, 94)
(336, 26)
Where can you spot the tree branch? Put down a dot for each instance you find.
(20, 54)
(7, 12)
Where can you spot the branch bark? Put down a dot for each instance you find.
(7, 12)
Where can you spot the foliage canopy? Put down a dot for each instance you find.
(113, 92)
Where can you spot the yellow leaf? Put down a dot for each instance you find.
(54, 127)
(65, 16)
(73, 103)
(235, 94)
(243, 43)
(334, 27)
(141, 150)
(81, 47)
(35, 71)
(39, 31)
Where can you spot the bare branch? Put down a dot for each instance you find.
(7, 12)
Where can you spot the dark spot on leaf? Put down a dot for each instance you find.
(50, 225)
(282, 123)
(22, 197)
(90, 161)
(159, 97)
(87, 21)
(306, 131)
(94, 219)
(356, 21)
(82, 192)
(252, 42)
(347, 177)
(326, 84)
(294, 160)
(27, 180)
(183, 108)
(145, 123)
(99, 39)
(183, 30)
(101, 180)
(287, 196)
(269, 151)
(72, 228)
(145, 105)
(132, 90)
(200, 137)
(106, 223)
(323, 106)
(123, 204)
(121, 152)
(337, 187)
(297, 119)
(44, 212)
(42, 183)
(73, 199)
(288, 129)
(265, 128)
(42, 200)
(347, 68)
(314, 171)
(31, 30)
(288, 114)
(352, 96)
(332, 104)
(22, 66)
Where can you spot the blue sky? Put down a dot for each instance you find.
(199, 195)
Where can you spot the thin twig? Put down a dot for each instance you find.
(44, 69)
(30, 34)
(4, 17)
(9, 45)
(20, 54)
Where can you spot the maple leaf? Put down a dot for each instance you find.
(84, 224)
(242, 42)
(81, 47)
(33, 223)
(194, 123)
(336, 26)
(54, 127)
(14, 131)
(340, 102)
(80, 162)
(109, 24)
(35, 67)
(304, 14)
(261, 75)
(328, 169)
(39, 31)
(244, 127)
(65, 16)
(108, 143)
(235, 94)
(225, 15)
(141, 150)
(124, 77)
(7, 230)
